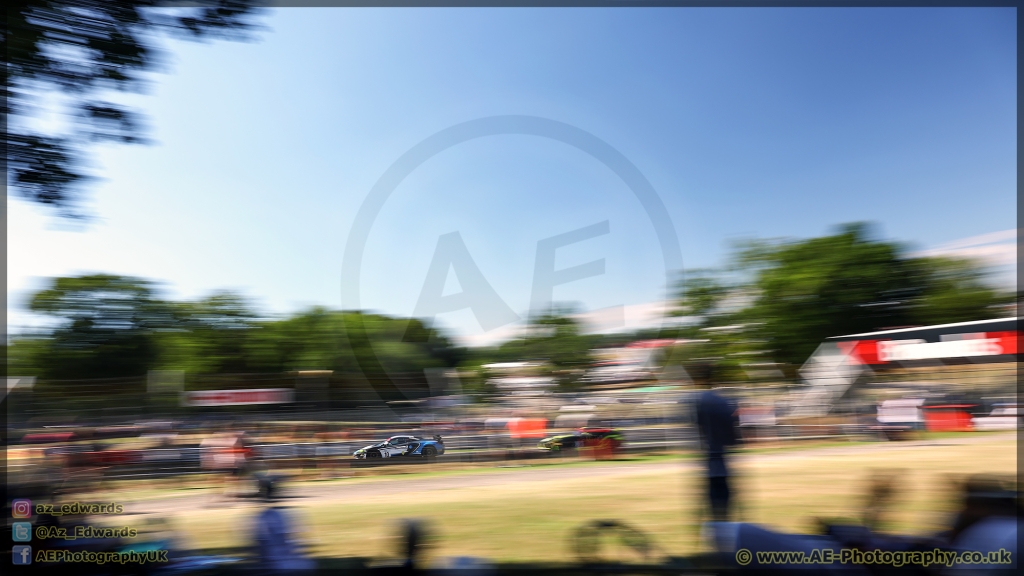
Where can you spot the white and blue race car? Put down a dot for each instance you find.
(397, 446)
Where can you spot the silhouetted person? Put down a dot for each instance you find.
(414, 536)
(988, 518)
(276, 548)
(717, 422)
(412, 540)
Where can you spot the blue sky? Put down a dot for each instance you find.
(747, 122)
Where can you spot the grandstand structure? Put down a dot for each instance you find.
(982, 353)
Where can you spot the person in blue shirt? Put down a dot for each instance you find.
(717, 422)
(277, 550)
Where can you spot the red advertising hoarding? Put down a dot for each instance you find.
(238, 397)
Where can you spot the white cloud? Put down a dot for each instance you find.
(624, 318)
(997, 250)
(994, 249)
(492, 338)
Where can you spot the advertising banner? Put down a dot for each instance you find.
(238, 397)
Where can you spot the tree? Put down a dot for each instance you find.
(701, 293)
(26, 354)
(209, 336)
(849, 283)
(113, 326)
(107, 327)
(313, 339)
(556, 339)
(76, 50)
(784, 297)
(955, 291)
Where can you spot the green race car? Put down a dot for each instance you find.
(607, 438)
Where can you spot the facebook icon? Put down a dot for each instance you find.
(21, 555)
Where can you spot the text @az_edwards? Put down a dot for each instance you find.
(76, 532)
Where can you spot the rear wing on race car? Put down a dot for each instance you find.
(437, 438)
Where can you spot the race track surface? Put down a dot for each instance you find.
(319, 493)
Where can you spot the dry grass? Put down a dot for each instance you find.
(533, 520)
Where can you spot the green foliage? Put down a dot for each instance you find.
(112, 326)
(473, 378)
(955, 291)
(209, 336)
(80, 49)
(840, 284)
(556, 341)
(26, 354)
(703, 293)
(801, 292)
(310, 340)
(108, 327)
(791, 296)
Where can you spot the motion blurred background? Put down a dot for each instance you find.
(841, 185)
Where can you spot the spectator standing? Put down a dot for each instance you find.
(717, 422)
(277, 550)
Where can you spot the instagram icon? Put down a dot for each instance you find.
(21, 508)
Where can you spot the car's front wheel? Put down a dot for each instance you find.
(373, 454)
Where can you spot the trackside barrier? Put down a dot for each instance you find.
(185, 460)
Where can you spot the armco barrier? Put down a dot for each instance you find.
(470, 448)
